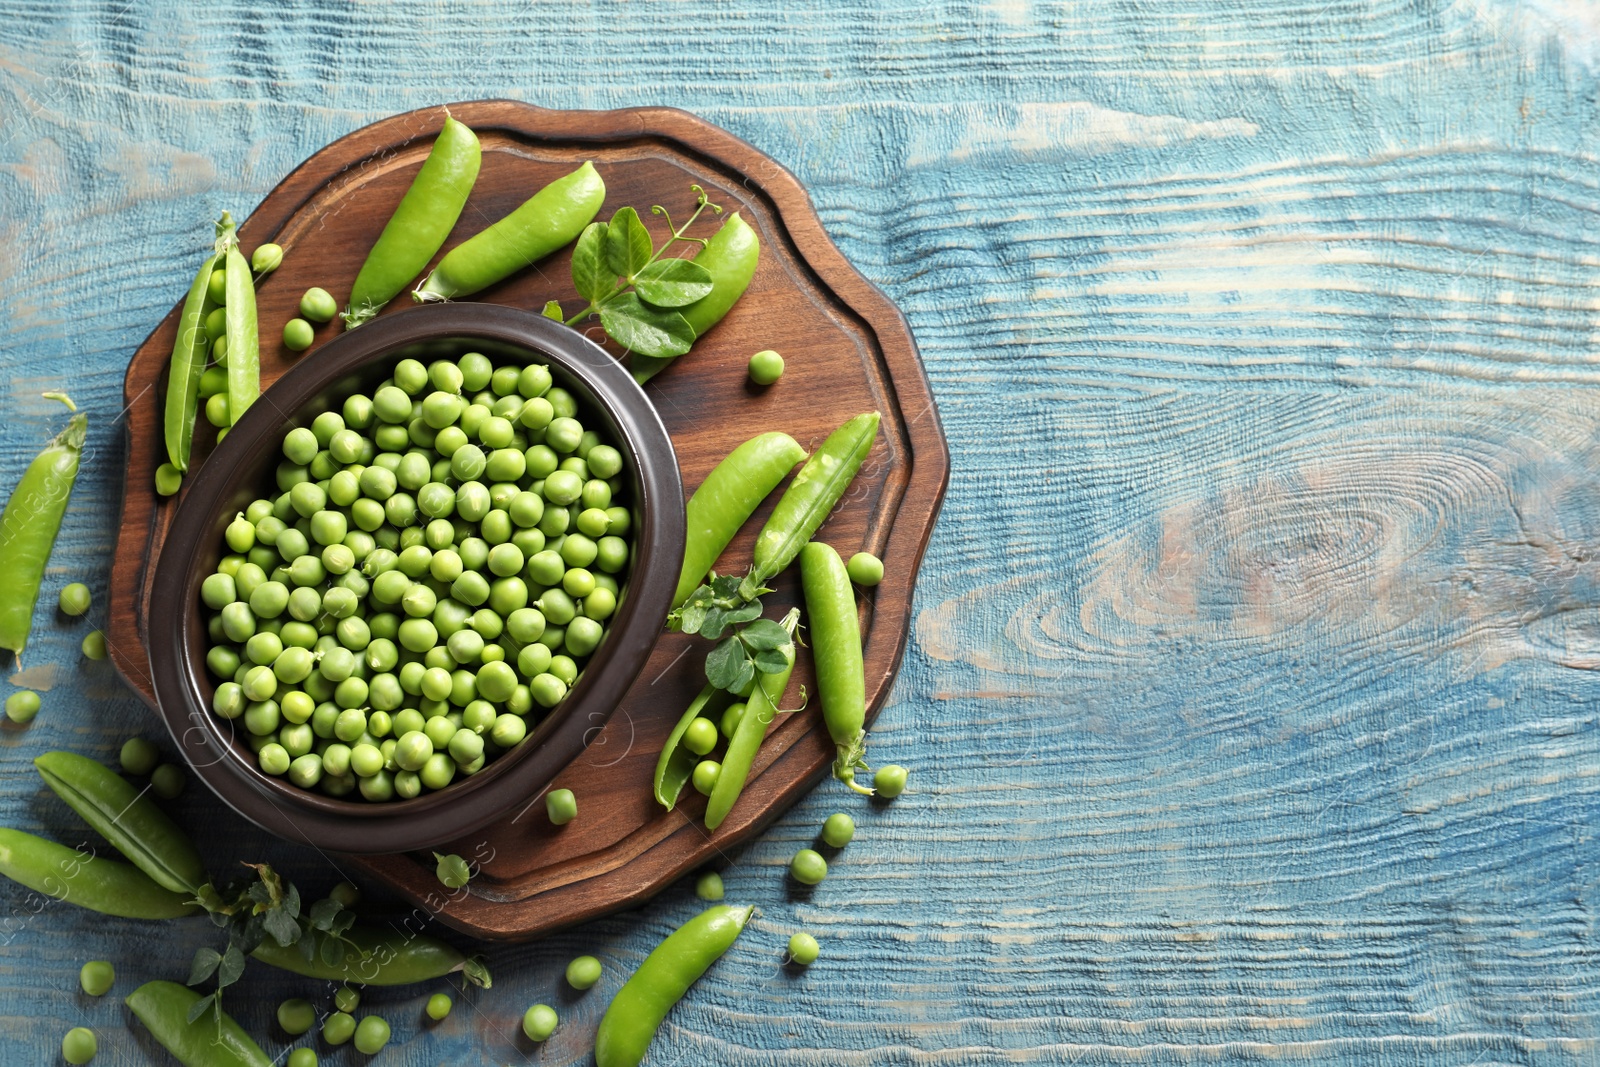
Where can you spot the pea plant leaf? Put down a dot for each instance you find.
(231, 967)
(672, 283)
(764, 635)
(728, 665)
(204, 966)
(552, 310)
(332, 951)
(771, 661)
(590, 274)
(201, 1006)
(281, 925)
(628, 244)
(646, 330)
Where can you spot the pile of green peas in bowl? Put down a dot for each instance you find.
(436, 564)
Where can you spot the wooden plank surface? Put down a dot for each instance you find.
(1250, 697)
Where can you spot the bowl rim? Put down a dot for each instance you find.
(519, 777)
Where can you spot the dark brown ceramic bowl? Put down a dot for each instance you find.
(241, 469)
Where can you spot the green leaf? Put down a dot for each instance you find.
(332, 951)
(715, 622)
(552, 310)
(628, 244)
(764, 634)
(204, 965)
(323, 912)
(771, 661)
(744, 612)
(646, 330)
(291, 901)
(673, 283)
(590, 274)
(232, 966)
(201, 1006)
(284, 930)
(727, 664)
(724, 586)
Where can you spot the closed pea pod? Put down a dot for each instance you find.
(809, 499)
(243, 334)
(760, 710)
(727, 498)
(836, 649)
(212, 1040)
(125, 817)
(29, 526)
(377, 957)
(549, 219)
(189, 351)
(730, 256)
(420, 224)
(101, 885)
(640, 1006)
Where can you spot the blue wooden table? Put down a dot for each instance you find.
(1250, 701)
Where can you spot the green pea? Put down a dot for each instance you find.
(305, 770)
(508, 729)
(79, 1045)
(593, 522)
(292, 544)
(303, 1057)
(600, 604)
(504, 465)
(412, 750)
(338, 558)
(223, 661)
(439, 771)
(261, 717)
(298, 335)
(217, 406)
(318, 305)
(604, 461)
(296, 1016)
(890, 781)
(596, 495)
(325, 426)
(297, 707)
(438, 1007)
(168, 480)
(391, 405)
(167, 781)
(467, 462)
(803, 948)
(218, 591)
(266, 258)
(478, 717)
(575, 465)
(139, 756)
(562, 487)
(701, 736)
(583, 636)
(579, 551)
(709, 886)
(539, 1022)
(97, 977)
(838, 830)
(705, 776)
(273, 759)
(611, 554)
(465, 746)
(466, 646)
(541, 461)
(766, 367)
(808, 867)
(228, 701)
(338, 1028)
(533, 661)
(583, 972)
(865, 569)
(262, 648)
(22, 706)
(562, 807)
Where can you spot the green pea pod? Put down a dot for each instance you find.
(639, 1007)
(730, 257)
(550, 218)
(243, 334)
(809, 499)
(29, 526)
(728, 497)
(675, 765)
(190, 350)
(836, 651)
(213, 1040)
(127, 818)
(375, 956)
(84, 879)
(760, 710)
(419, 226)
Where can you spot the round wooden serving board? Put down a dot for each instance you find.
(847, 350)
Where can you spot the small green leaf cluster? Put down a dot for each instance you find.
(754, 644)
(633, 286)
(253, 909)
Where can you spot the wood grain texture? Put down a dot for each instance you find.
(1248, 698)
(858, 355)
